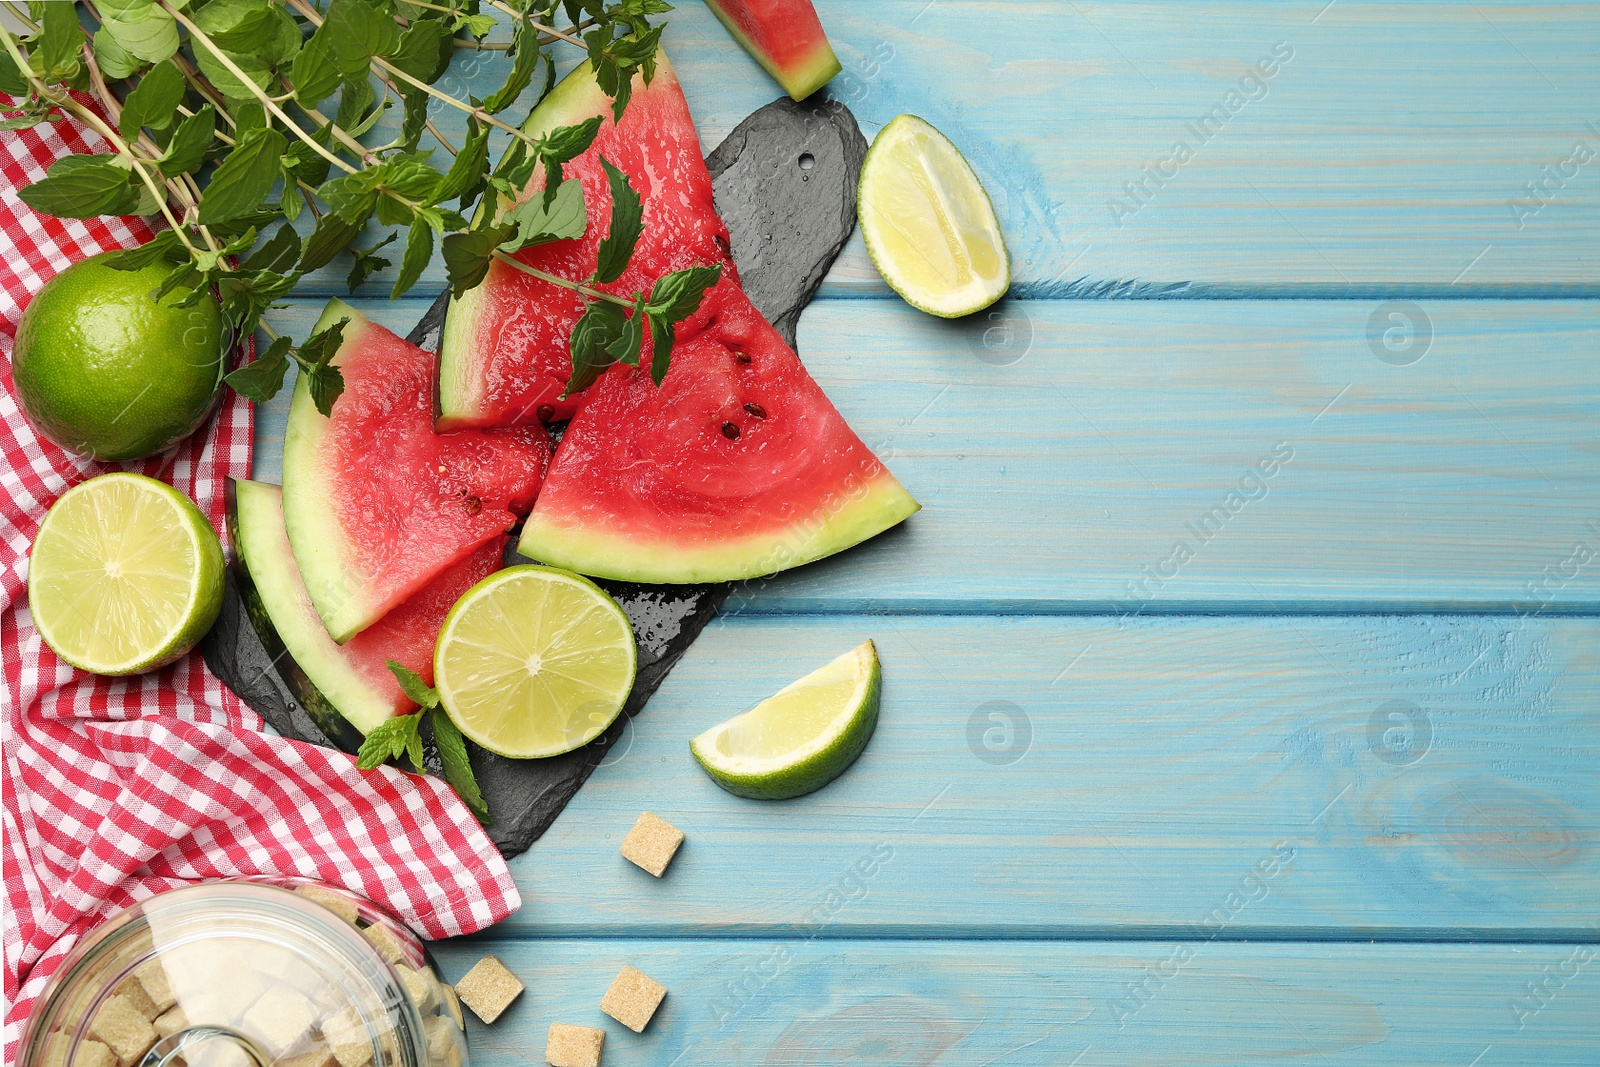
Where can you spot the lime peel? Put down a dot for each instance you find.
(800, 738)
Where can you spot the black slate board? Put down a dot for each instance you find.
(785, 183)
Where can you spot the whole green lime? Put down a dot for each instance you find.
(104, 369)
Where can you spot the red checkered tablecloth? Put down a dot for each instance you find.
(118, 789)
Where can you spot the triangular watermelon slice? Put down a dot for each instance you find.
(736, 466)
(376, 503)
(504, 358)
(350, 681)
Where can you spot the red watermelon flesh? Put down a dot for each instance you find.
(736, 466)
(376, 503)
(785, 37)
(504, 358)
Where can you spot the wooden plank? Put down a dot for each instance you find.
(832, 1004)
(1390, 151)
(1372, 776)
(1068, 479)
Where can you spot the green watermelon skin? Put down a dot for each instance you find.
(340, 686)
(378, 504)
(737, 466)
(504, 358)
(785, 37)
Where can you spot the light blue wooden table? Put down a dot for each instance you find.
(1179, 762)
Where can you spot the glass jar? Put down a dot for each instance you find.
(248, 974)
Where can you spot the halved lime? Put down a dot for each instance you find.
(534, 661)
(801, 738)
(125, 575)
(928, 224)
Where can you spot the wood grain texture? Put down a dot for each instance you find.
(832, 1004)
(1430, 777)
(1389, 154)
(1068, 479)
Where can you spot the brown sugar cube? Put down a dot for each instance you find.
(444, 1042)
(219, 1052)
(153, 977)
(316, 1056)
(488, 989)
(94, 1054)
(573, 1046)
(384, 940)
(652, 843)
(335, 902)
(633, 999)
(120, 1027)
(138, 999)
(452, 1006)
(421, 987)
(347, 1034)
(279, 1020)
(171, 1021)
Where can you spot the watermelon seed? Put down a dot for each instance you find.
(730, 431)
(474, 505)
(544, 412)
(756, 410)
(741, 355)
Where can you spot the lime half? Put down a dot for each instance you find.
(534, 661)
(800, 739)
(928, 224)
(125, 575)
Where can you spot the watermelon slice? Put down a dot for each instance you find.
(376, 503)
(504, 358)
(736, 466)
(331, 681)
(785, 37)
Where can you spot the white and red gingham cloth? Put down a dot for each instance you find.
(118, 789)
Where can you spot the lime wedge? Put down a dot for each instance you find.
(800, 739)
(125, 575)
(928, 224)
(534, 661)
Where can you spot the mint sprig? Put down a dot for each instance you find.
(402, 736)
(219, 121)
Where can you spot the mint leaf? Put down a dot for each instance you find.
(676, 296)
(391, 739)
(163, 246)
(539, 223)
(412, 685)
(419, 250)
(315, 72)
(315, 357)
(154, 101)
(357, 31)
(114, 60)
(457, 766)
(624, 348)
(594, 344)
(466, 174)
(368, 263)
(262, 377)
(83, 187)
(627, 221)
(54, 52)
(661, 340)
(521, 76)
(277, 255)
(332, 234)
(467, 256)
(243, 179)
(424, 50)
(189, 144)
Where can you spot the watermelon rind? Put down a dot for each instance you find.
(313, 530)
(799, 79)
(612, 553)
(342, 705)
(575, 98)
